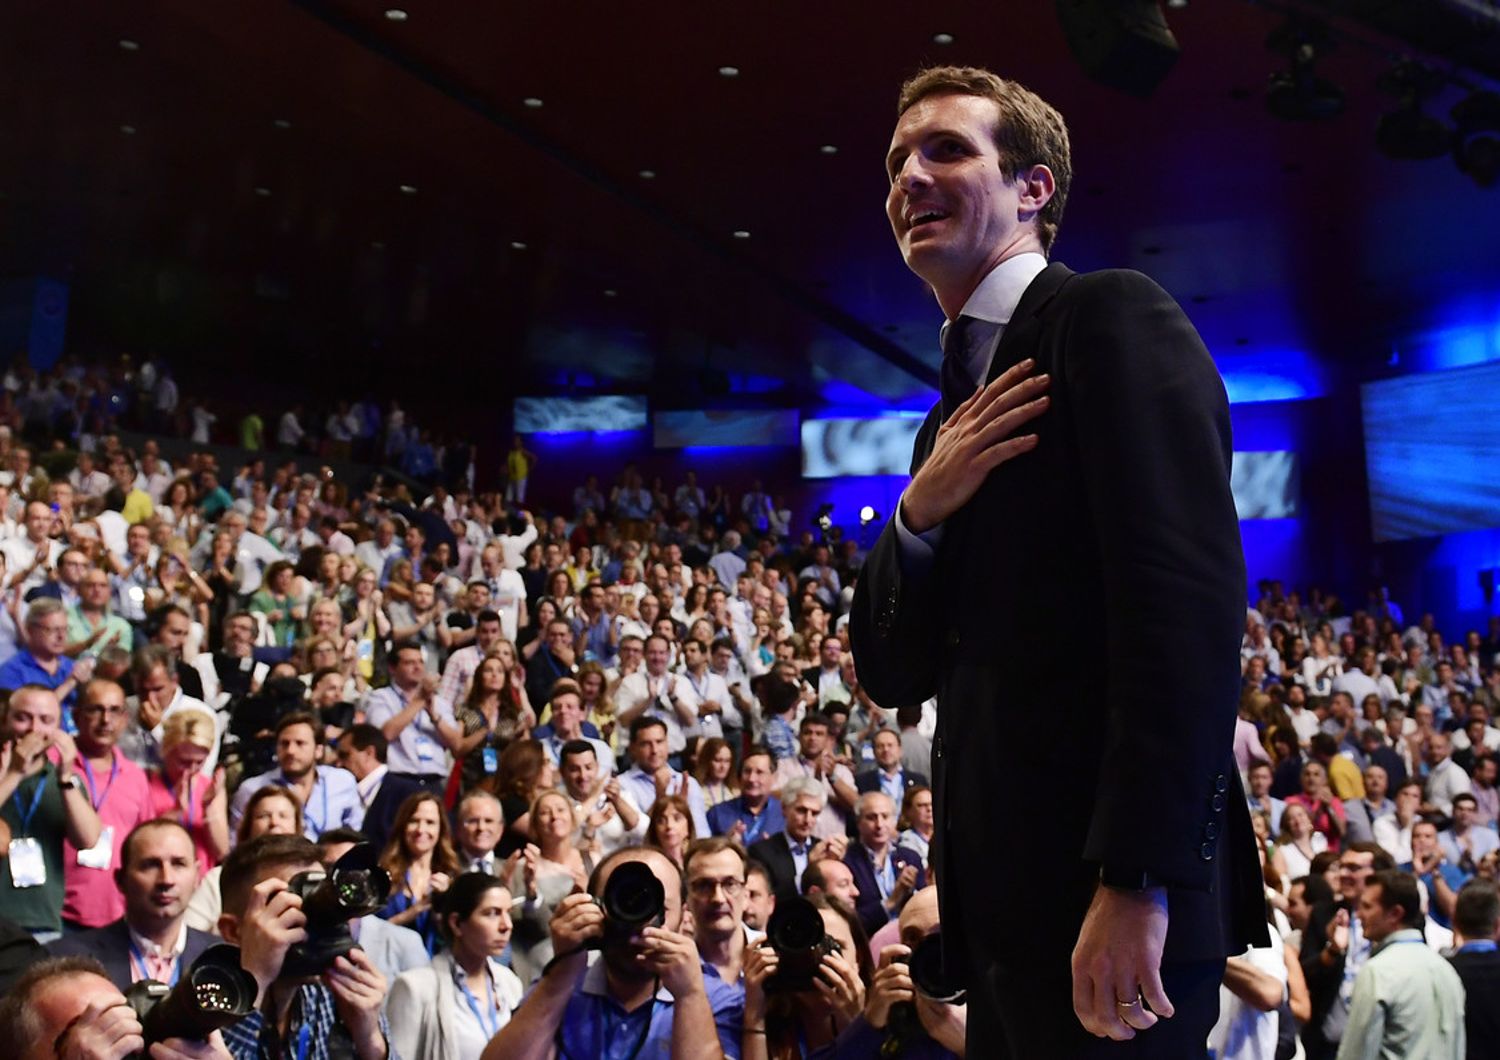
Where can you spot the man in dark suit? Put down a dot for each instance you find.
(787, 854)
(889, 775)
(827, 678)
(886, 875)
(157, 875)
(1476, 921)
(361, 751)
(1115, 908)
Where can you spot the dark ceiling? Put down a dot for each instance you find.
(256, 205)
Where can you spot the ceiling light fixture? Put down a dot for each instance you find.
(741, 234)
(828, 149)
(264, 193)
(128, 130)
(128, 45)
(610, 292)
(280, 123)
(532, 101)
(942, 38)
(1297, 93)
(648, 174)
(516, 244)
(408, 189)
(395, 14)
(729, 71)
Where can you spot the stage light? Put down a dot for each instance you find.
(741, 234)
(1407, 132)
(408, 189)
(128, 45)
(395, 14)
(1476, 143)
(647, 174)
(824, 519)
(867, 515)
(942, 38)
(1298, 93)
(531, 101)
(729, 71)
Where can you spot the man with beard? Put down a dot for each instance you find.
(157, 875)
(647, 988)
(329, 795)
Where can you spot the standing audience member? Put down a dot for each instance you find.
(1476, 925)
(421, 862)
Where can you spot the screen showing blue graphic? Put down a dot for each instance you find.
(557, 415)
(836, 447)
(1265, 484)
(1432, 452)
(739, 427)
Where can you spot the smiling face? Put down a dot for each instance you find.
(422, 829)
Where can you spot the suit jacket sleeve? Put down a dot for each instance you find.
(1150, 419)
(894, 622)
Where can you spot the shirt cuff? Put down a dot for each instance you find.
(917, 550)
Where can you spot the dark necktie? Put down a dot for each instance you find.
(965, 336)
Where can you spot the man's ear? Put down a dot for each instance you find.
(229, 928)
(1037, 186)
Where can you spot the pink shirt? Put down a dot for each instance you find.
(119, 795)
(164, 803)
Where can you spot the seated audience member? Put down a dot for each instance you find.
(66, 1007)
(917, 824)
(833, 878)
(652, 776)
(669, 828)
(91, 626)
(760, 898)
(336, 1014)
(270, 811)
(1465, 842)
(785, 1023)
(716, 869)
(41, 661)
(939, 1031)
(362, 752)
(816, 760)
(647, 988)
(886, 874)
(329, 794)
(1476, 924)
(1407, 1001)
(1362, 813)
(1439, 877)
(1318, 799)
(754, 813)
(787, 854)
(1393, 831)
(889, 775)
(421, 861)
(158, 874)
(1445, 778)
(450, 1009)
(116, 788)
(178, 788)
(565, 725)
(42, 803)
(608, 817)
(394, 949)
(714, 768)
(157, 696)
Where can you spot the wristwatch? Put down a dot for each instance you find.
(1127, 877)
(68, 783)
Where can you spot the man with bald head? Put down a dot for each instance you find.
(939, 1031)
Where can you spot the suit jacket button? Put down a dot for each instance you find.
(1206, 852)
(1221, 783)
(1217, 803)
(1210, 831)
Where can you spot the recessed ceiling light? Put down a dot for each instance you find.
(408, 189)
(516, 244)
(610, 292)
(729, 71)
(648, 174)
(280, 123)
(1177, 3)
(128, 45)
(942, 38)
(532, 101)
(395, 14)
(829, 149)
(264, 193)
(741, 234)
(128, 130)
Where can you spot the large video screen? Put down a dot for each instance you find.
(835, 447)
(738, 427)
(557, 415)
(1265, 483)
(1432, 452)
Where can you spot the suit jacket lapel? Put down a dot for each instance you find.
(1020, 335)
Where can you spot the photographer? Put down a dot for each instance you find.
(646, 988)
(939, 1029)
(65, 1008)
(335, 1014)
(789, 1023)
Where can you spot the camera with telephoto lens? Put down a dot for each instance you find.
(633, 900)
(925, 965)
(354, 886)
(797, 934)
(214, 993)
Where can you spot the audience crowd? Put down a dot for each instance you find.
(222, 679)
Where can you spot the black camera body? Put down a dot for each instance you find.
(213, 993)
(797, 934)
(355, 886)
(633, 900)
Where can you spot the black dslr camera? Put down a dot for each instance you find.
(925, 965)
(355, 886)
(633, 899)
(214, 993)
(796, 933)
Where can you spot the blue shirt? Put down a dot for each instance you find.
(595, 1027)
(1454, 876)
(23, 669)
(310, 1032)
(780, 738)
(757, 826)
(334, 802)
(416, 750)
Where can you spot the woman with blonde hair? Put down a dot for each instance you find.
(422, 863)
(550, 868)
(179, 790)
(367, 624)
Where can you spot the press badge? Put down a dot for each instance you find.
(491, 760)
(102, 854)
(27, 866)
(424, 748)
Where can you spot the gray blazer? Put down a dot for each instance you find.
(422, 1005)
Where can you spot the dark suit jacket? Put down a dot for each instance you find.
(110, 946)
(380, 815)
(869, 780)
(1480, 973)
(1040, 627)
(776, 855)
(869, 907)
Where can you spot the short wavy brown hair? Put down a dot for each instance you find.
(1030, 130)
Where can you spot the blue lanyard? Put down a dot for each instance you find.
(491, 1026)
(1478, 946)
(96, 799)
(757, 822)
(139, 961)
(36, 800)
(304, 1041)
